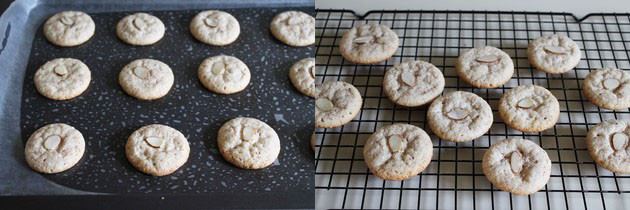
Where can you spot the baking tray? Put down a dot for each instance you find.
(453, 179)
(106, 115)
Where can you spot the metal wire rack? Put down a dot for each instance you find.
(454, 179)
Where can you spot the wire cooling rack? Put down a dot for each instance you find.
(454, 179)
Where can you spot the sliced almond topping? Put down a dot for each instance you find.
(66, 20)
(324, 104)
(52, 142)
(487, 59)
(457, 114)
(408, 78)
(311, 71)
(554, 49)
(611, 84)
(516, 162)
(139, 24)
(526, 103)
(60, 70)
(155, 142)
(218, 68)
(211, 22)
(395, 143)
(362, 39)
(619, 141)
(141, 72)
(248, 133)
(294, 20)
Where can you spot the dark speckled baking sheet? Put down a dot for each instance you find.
(106, 115)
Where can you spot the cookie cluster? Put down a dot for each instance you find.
(399, 151)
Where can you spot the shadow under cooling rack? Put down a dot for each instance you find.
(454, 179)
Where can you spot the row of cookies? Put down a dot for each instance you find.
(483, 67)
(213, 27)
(155, 149)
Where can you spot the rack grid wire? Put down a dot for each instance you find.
(453, 179)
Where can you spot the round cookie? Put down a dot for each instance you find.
(413, 83)
(529, 108)
(336, 104)
(518, 166)
(608, 144)
(69, 28)
(302, 75)
(485, 67)
(398, 151)
(157, 150)
(608, 88)
(215, 27)
(224, 74)
(313, 141)
(54, 148)
(248, 143)
(140, 29)
(554, 54)
(368, 44)
(294, 28)
(459, 116)
(62, 78)
(146, 79)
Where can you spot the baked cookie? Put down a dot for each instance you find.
(54, 148)
(69, 28)
(157, 150)
(313, 141)
(398, 151)
(140, 29)
(215, 27)
(248, 143)
(368, 44)
(485, 67)
(459, 116)
(413, 83)
(336, 104)
(146, 79)
(302, 75)
(554, 54)
(294, 28)
(224, 74)
(518, 166)
(62, 78)
(608, 145)
(529, 108)
(608, 88)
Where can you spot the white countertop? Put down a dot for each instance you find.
(579, 8)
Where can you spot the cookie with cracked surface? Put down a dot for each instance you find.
(554, 54)
(518, 166)
(69, 28)
(608, 88)
(294, 28)
(140, 29)
(224, 74)
(54, 148)
(413, 83)
(146, 79)
(368, 44)
(157, 150)
(215, 27)
(302, 75)
(336, 104)
(459, 116)
(398, 151)
(485, 67)
(248, 143)
(607, 143)
(529, 108)
(62, 78)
